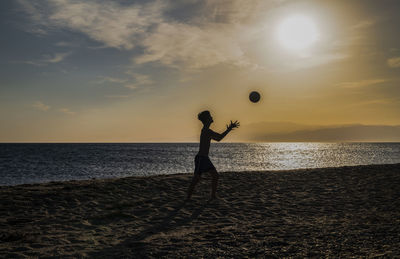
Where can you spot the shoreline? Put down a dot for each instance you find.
(178, 174)
(336, 211)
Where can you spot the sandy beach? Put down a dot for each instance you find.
(334, 212)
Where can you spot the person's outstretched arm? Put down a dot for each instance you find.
(219, 136)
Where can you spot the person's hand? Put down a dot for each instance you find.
(233, 125)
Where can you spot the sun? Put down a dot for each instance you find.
(297, 32)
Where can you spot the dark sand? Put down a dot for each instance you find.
(333, 212)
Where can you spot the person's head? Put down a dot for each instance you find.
(205, 117)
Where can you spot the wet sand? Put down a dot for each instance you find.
(335, 212)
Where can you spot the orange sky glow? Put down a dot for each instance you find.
(109, 71)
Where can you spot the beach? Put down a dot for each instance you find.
(330, 212)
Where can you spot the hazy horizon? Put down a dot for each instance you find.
(140, 71)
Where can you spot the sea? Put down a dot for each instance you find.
(39, 163)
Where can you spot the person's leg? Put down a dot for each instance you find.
(195, 180)
(214, 184)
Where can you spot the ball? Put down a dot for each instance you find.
(254, 96)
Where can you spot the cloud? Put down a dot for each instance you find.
(197, 47)
(294, 132)
(35, 14)
(139, 80)
(108, 22)
(362, 83)
(66, 44)
(215, 32)
(394, 62)
(48, 59)
(43, 107)
(56, 58)
(133, 82)
(316, 60)
(66, 111)
(363, 24)
(131, 86)
(116, 96)
(379, 102)
(109, 79)
(40, 106)
(367, 133)
(194, 44)
(29, 62)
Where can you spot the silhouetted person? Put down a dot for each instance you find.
(202, 161)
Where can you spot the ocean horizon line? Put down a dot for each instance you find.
(194, 142)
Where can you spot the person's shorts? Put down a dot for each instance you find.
(203, 164)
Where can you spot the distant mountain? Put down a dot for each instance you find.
(292, 132)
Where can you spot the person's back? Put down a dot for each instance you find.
(203, 163)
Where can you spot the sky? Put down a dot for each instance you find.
(141, 71)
